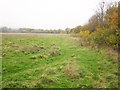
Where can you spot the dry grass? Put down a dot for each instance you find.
(71, 70)
(113, 53)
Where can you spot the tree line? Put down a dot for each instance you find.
(30, 30)
(102, 29)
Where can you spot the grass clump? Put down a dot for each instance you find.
(39, 56)
(72, 70)
(54, 51)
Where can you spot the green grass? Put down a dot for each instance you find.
(55, 61)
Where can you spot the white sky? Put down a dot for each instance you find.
(46, 14)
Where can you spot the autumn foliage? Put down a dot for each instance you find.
(102, 28)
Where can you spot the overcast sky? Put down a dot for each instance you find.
(46, 14)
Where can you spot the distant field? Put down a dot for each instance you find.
(54, 61)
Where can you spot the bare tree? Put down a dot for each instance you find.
(100, 13)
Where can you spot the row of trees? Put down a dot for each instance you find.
(29, 30)
(103, 28)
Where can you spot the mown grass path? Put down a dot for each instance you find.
(55, 61)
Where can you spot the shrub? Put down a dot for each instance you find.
(105, 37)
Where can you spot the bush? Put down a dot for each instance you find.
(105, 37)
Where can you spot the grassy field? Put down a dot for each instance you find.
(55, 61)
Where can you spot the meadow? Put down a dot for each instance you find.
(55, 61)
